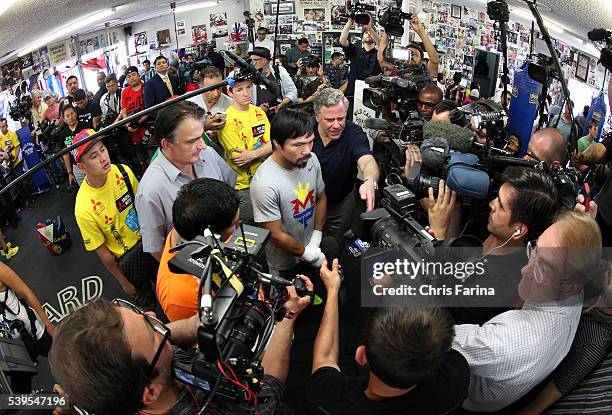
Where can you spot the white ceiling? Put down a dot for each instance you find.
(27, 20)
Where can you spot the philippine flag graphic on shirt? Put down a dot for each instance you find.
(304, 204)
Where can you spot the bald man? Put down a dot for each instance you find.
(547, 145)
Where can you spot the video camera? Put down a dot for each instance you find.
(20, 108)
(392, 19)
(603, 36)
(50, 135)
(384, 90)
(238, 322)
(360, 12)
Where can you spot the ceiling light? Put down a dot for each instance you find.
(195, 6)
(64, 31)
(4, 6)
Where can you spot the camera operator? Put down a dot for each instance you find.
(526, 204)
(408, 351)
(442, 111)
(429, 96)
(262, 97)
(416, 52)
(547, 145)
(89, 111)
(363, 62)
(245, 139)
(183, 157)
(342, 147)
(514, 352)
(297, 53)
(600, 153)
(131, 369)
(193, 211)
(288, 195)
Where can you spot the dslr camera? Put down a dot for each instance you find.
(360, 12)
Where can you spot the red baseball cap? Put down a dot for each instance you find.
(80, 150)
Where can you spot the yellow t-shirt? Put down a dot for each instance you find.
(247, 130)
(107, 215)
(10, 139)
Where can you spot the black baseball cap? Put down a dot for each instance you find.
(132, 69)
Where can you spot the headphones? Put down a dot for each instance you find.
(517, 231)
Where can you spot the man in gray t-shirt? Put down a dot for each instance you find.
(288, 194)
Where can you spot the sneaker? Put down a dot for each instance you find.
(10, 252)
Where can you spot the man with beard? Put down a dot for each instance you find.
(288, 195)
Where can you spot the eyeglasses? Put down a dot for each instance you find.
(532, 250)
(155, 324)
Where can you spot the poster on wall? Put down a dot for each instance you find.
(163, 37)
(180, 27)
(58, 54)
(338, 15)
(239, 33)
(582, 67)
(284, 8)
(26, 60)
(41, 57)
(140, 41)
(315, 15)
(218, 25)
(199, 34)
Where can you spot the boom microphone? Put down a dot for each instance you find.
(435, 151)
(459, 138)
(378, 124)
(258, 78)
(596, 35)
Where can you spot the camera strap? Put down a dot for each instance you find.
(128, 184)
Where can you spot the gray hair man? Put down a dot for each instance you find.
(342, 147)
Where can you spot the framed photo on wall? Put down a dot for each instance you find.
(582, 67)
(456, 11)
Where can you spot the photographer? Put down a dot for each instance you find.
(337, 72)
(288, 195)
(131, 370)
(409, 358)
(547, 145)
(261, 58)
(363, 61)
(442, 111)
(297, 54)
(311, 83)
(416, 59)
(192, 212)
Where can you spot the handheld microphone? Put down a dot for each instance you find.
(258, 78)
(330, 248)
(596, 35)
(459, 138)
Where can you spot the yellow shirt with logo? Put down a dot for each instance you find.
(247, 130)
(10, 139)
(107, 215)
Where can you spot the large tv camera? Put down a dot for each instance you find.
(50, 136)
(604, 37)
(360, 12)
(21, 107)
(385, 90)
(237, 322)
(392, 19)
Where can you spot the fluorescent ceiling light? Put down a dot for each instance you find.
(5, 4)
(64, 31)
(526, 14)
(195, 6)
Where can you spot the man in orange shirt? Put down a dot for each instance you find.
(199, 204)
